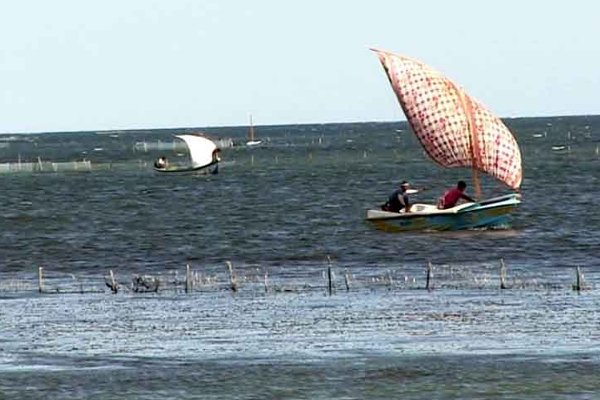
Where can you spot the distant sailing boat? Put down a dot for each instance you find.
(203, 154)
(456, 131)
(251, 138)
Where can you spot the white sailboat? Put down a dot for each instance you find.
(203, 154)
(455, 130)
(252, 141)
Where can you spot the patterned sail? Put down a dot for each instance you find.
(454, 128)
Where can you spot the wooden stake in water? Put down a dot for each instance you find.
(390, 279)
(189, 282)
(266, 283)
(115, 286)
(41, 279)
(429, 283)
(113, 282)
(578, 280)
(347, 279)
(329, 276)
(232, 280)
(502, 274)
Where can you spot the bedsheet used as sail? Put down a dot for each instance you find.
(201, 149)
(455, 129)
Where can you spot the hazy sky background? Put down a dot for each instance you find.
(116, 64)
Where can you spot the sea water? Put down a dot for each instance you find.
(283, 213)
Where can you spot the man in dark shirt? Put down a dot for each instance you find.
(399, 199)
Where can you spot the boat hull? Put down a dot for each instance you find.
(490, 213)
(183, 170)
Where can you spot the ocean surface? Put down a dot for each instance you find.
(283, 213)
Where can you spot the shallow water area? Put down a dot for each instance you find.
(351, 345)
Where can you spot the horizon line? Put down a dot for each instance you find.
(269, 125)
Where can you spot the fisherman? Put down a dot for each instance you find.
(161, 163)
(451, 197)
(399, 199)
(215, 155)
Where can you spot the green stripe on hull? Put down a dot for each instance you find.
(486, 217)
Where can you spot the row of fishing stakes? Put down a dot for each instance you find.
(578, 286)
(113, 285)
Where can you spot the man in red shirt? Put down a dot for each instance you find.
(452, 196)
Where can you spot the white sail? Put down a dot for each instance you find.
(201, 149)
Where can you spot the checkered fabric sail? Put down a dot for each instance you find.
(454, 128)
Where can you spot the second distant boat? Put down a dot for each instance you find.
(252, 141)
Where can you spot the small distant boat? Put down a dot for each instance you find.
(252, 141)
(559, 148)
(203, 154)
(455, 130)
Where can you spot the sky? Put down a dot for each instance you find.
(72, 65)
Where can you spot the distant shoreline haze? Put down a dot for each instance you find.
(201, 128)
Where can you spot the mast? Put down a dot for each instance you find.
(474, 140)
(476, 183)
(251, 128)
